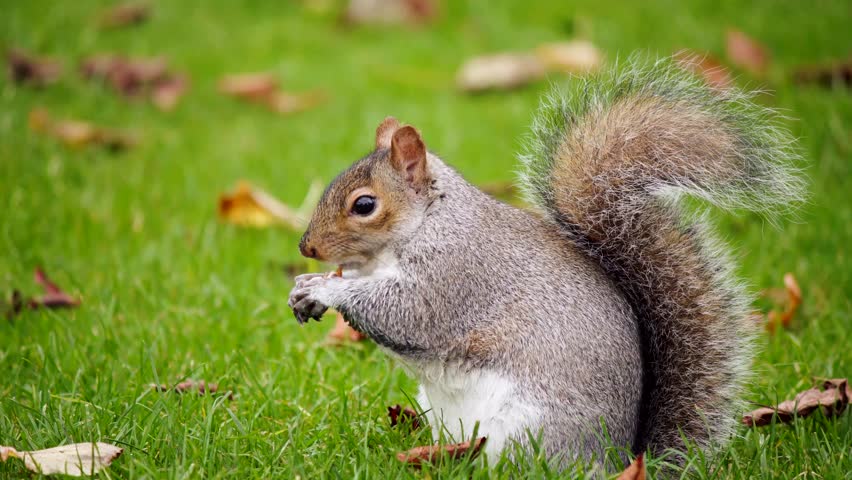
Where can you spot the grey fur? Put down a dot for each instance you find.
(567, 303)
(489, 286)
(608, 161)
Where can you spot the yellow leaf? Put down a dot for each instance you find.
(252, 207)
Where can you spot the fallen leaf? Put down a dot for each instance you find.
(134, 77)
(252, 207)
(125, 14)
(707, 66)
(840, 384)
(77, 459)
(747, 53)
(77, 133)
(783, 319)
(190, 386)
(167, 92)
(635, 471)
(504, 71)
(434, 453)
(249, 86)
(54, 297)
(390, 12)
(262, 89)
(342, 332)
(99, 66)
(827, 75)
(25, 68)
(128, 76)
(399, 415)
(500, 72)
(832, 399)
(577, 56)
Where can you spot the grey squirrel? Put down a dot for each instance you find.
(606, 303)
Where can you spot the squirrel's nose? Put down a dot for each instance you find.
(307, 250)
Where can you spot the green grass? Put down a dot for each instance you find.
(169, 292)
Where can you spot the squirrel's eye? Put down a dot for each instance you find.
(364, 205)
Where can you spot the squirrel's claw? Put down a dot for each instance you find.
(304, 306)
(308, 308)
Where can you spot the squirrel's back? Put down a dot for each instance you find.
(606, 162)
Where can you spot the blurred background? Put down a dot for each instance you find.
(126, 130)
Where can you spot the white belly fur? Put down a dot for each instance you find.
(456, 400)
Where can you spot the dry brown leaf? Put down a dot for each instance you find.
(828, 75)
(342, 332)
(128, 76)
(634, 471)
(390, 12)
(832, 399)
(399, 415)
(747, 53)
(25, 68)
(262, 89)
(77, 459)
(77, 133)
(53, 297)
(190, 386)
(500, 72)
(167, 92)
(840, 384)
(133, 77)
(249, 86)
(577, 56)
(783, 319)
(252, 207)
(98, 66)
(125, 14)
(505, 71)
(434, 453)
(707, 66)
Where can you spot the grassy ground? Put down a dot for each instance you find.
(169, 292)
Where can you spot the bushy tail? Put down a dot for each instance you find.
(607, 160)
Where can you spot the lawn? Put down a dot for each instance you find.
(169, 292)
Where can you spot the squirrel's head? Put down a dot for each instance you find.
(372, 203)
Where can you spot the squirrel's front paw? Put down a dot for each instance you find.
(303, 299)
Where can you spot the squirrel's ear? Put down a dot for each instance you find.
(408, 156)
(385, 132)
